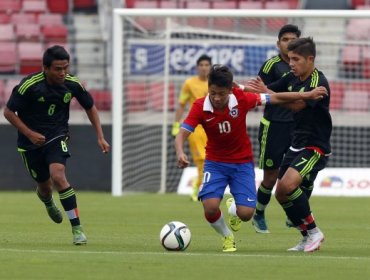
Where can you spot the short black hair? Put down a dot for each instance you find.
(303, 46)
(289, 28)
(221, 76)
(204, 57)
(54, 53)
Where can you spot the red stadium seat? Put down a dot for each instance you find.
(356, 100)
(274, 24)
(136, 97)
(50, 19)
(60, 6)
(102, 99)
(30, 57)
(10, 6)
(146, 23)
(23, 18)
(84, 5)
(224, 23)
(156, 96)
(55, 33)
(4, 18)
(351, 59)
(168, 4)
(201, 22)
(336, 94)
(366, 62)
(358, 29)
(250, 24)
(28, 32)
(7, 32)
(35, 6)
(8, 57)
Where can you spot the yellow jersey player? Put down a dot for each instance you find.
(192, 89)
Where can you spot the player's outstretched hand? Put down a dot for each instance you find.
(104, 146)
(182, 160)
(256, 85)
(317, 93)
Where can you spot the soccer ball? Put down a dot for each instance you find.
(175, 236)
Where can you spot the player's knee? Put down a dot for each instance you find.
(245, 214)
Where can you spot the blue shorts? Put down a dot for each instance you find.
(239, 176)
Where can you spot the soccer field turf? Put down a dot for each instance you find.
(123, 241)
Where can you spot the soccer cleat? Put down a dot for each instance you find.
(314, 241)
(300, 246)
(259, 223)
(234, 222)
(54, 213)
(229, 244)
(79, 238)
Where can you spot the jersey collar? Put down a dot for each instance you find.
(207, 106)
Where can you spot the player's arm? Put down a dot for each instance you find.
(93, 116)
(35, 137)
(182, 159)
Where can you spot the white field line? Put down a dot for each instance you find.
(180, 254)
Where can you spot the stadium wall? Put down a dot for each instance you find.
(87, 169)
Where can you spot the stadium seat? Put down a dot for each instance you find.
(224, 23)
(60, 6)
(10, 6)
(155, 93)
(6, 32)
(358, 29)
(23, 18)
(50, 19)
(146, 23)
(35, 6)
(30, 57)
(356, 3)
(356, 100)
(84, 5)
(274, 24)
(351, 59)
(366, 62)
(102, 99)
(4, 18)
(336, 94)
(27, 32)
(8, 57)
(168, 4)
(136, 97)
(250, 24)
(55, 33)
(201, 22)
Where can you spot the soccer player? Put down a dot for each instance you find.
(229, 159)
(39, 109)
(310, 147)
(192, 89)
(275, 127)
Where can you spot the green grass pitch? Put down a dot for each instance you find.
(123, 241)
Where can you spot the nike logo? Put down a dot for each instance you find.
(208, 120)
(250, 200)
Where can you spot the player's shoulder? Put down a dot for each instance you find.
(318, 78)
(30, 81)
(270, 63)
(73, 81)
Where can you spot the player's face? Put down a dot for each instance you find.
(284, 41)
(203, 69)
(300, 66)
(56, 73)
(219, 96)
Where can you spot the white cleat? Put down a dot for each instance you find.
(300, 246)
(314, 241)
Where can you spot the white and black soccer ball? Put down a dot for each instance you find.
(175, 236)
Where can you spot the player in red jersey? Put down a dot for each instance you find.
(229, 158)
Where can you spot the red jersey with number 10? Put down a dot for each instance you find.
(228, 140)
